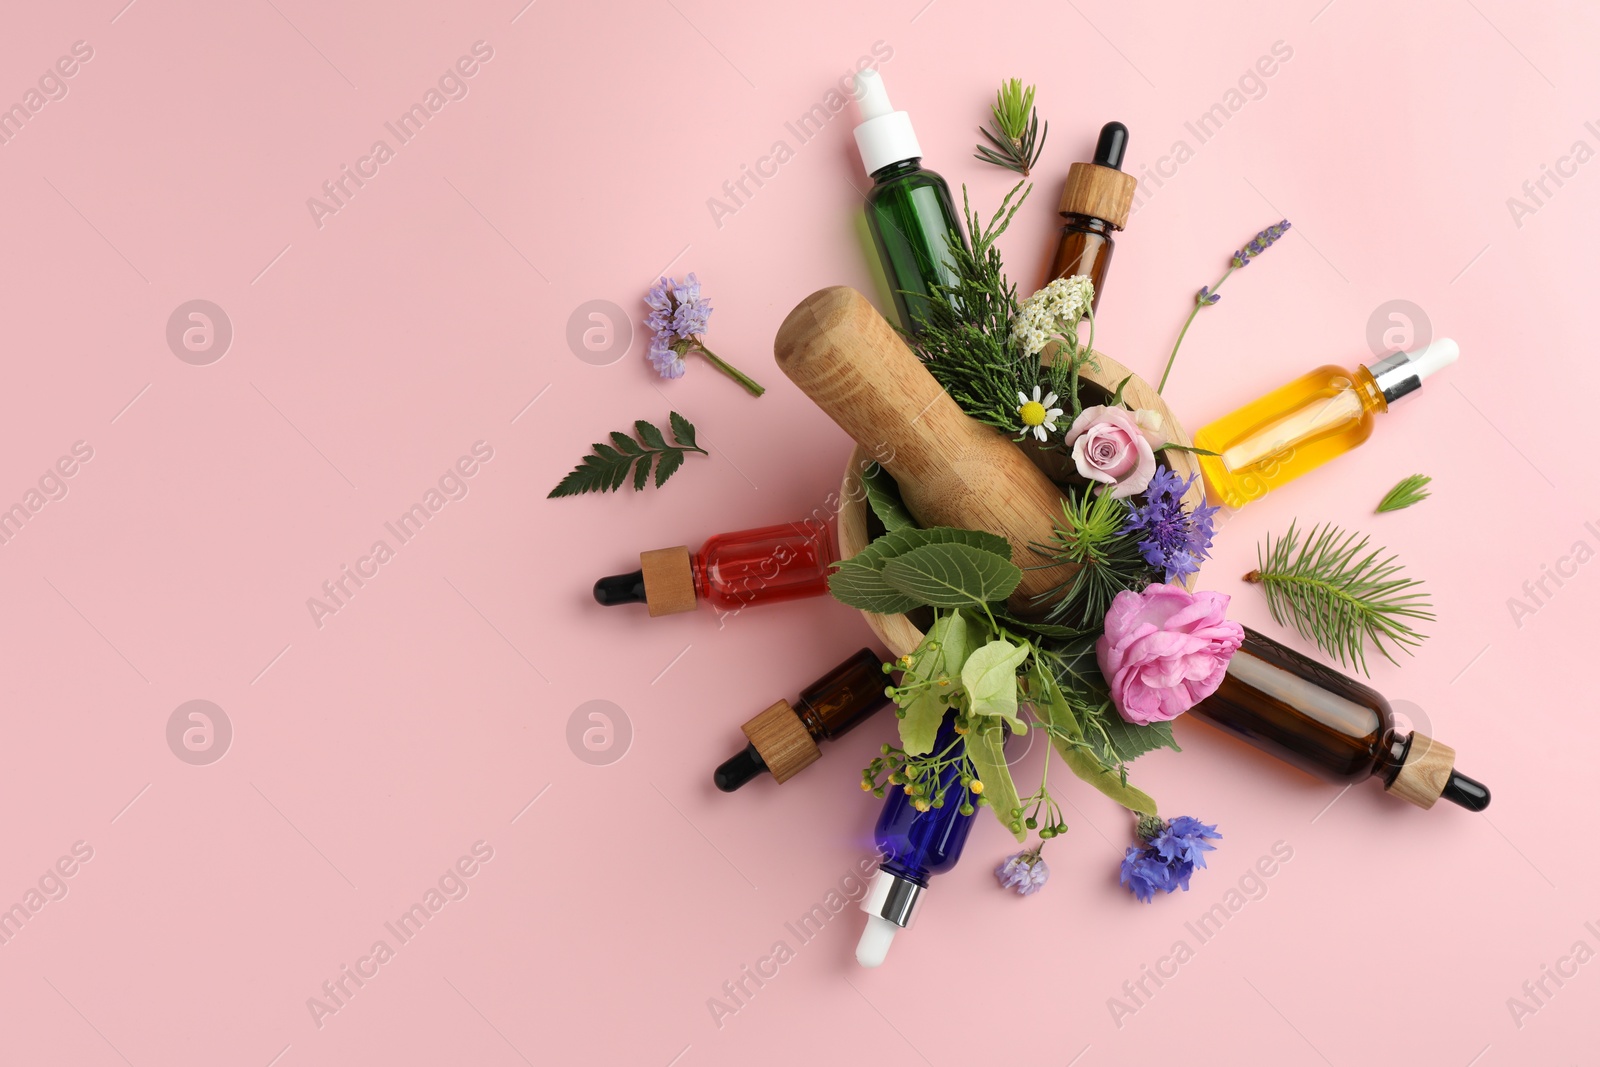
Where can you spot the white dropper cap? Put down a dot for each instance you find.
(875, 941)
(884, 136)
(1430, 358)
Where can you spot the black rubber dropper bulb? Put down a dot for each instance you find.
(620, 589)
(1112, 145)
(1468, 792)
(738, 769)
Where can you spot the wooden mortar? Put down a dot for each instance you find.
(952, 470)
(898, 633)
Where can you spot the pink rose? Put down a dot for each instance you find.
(1115, 446)
(1165, 650)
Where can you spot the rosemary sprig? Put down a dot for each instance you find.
(1406, 492)
(965, 338)
(606, 468)
(1014, 134)
(1093, 535)
(1339, 594)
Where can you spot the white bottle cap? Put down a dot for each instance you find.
(1440, 354)
(884, 136)
(875, 941)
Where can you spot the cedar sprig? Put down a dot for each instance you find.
(965, 338)
(1406, 492)
(606, 468)
(1014, 134)
(1339, 593)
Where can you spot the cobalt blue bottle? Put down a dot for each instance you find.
(914, 845)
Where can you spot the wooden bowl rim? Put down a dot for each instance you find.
(897, 632)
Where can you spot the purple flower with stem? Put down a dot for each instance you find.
(1175, 540)
(679, 315)
(1208, 294)
(1024, 871)
(1168, 857)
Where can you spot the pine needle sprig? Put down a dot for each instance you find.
(1093, 533)
(1406, 492)
(606, 467)
(1014, 134)
(1338, 593)
(965, 337)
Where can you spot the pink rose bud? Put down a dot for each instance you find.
(1164, 650)
(1116, 447)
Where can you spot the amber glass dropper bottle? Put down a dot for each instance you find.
(783, 739)
(1095, 203)
(1332, 726)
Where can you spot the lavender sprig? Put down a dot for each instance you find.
(1208, 294)
(679, 315)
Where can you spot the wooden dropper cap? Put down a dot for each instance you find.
(1100, 189)
(1427, 772)
(664, 583)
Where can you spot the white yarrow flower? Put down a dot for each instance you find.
(1051, 312)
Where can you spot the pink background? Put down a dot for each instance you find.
(430, 311)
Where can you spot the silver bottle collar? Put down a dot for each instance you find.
(1395, 376)
(893, 897)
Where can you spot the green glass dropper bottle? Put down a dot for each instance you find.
(909, 210)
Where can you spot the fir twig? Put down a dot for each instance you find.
(1406, 492)
(1014, 134)
(1093, 535)
(1336, 592)
(606, 468)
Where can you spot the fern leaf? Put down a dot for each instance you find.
(606, 468)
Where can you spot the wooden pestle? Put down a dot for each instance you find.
(952, 469)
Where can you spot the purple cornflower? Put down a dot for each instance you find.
(1023, 871)
(679, 315)
(1169, 856)
(1174, 541)
(1260, 243)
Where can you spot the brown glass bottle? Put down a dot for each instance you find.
(1331, 726)
(783, 738)
(1095, 204)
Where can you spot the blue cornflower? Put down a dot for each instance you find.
(1175, 541)
(1167, 859)
(1023, 871)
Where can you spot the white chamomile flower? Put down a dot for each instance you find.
(1038, 415)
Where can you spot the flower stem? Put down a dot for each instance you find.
(750, 384)
(1186, 323)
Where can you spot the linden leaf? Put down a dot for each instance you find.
(986, 750)
(926, 711)
(990, 678)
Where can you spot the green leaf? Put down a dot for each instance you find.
(670, 461)
(682, 431)
(650, 435)
(990, 678)
(920, 725)
(860, 585)
(986, 750)
(859, 581)
(952, 575)
(606, 468)
(883, 495)
(1406, 492)
(1067, 737)
(1117, 741)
